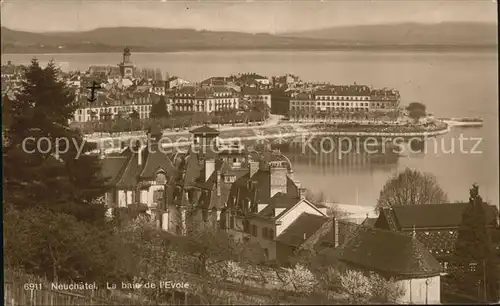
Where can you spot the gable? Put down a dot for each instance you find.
(290, 215)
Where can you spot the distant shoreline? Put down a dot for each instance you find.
(378, 48)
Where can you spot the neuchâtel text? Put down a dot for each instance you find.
(74, 286)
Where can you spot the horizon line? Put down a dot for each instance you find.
(255, 33)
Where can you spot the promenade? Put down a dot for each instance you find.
(274, 129)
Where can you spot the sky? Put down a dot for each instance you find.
(253, 16)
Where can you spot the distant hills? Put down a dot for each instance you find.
(448, 33)
(394, 36)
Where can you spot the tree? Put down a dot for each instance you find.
(300, 279)
(411, 187)
(361, 289)
(474, 262)
(316, 198)
(57, 245)
(134, 115)
(58, 175)
(159, 109)
(416, 110)
(6, 111)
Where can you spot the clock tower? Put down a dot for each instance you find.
(126, 66)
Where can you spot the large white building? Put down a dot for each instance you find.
(345, 98)
(256, 95)
(108, 106)
(205, 99)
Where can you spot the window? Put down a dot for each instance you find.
(254, 230)
(472, 267)
(158, 196)
(246, 226)
(161, 178)
(271, 234)
(264, 232)
(231, 222)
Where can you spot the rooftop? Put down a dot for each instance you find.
(432, 215)
(390, 253)
(205, 130)
(302, 228)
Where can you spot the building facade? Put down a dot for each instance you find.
(180, 190)
(204, 99)
(394, 256)
(265, 201)
(109, 106)
(336, 99)
(435, 225)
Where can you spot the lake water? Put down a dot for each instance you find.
(450, 84)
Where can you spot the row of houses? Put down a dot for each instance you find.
(256, 198)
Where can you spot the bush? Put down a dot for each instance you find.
(361, 289)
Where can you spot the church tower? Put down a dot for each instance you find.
(126, 66)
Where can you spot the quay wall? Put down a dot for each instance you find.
(266, 133)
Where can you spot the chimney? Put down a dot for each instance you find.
(253, 167)
(302, 193)
(335, 232)
(218, 184)
(209, 168)
(139, 155)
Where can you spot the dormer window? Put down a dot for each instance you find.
(161, 178)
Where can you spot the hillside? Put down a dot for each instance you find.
(413, 36)
(449, 33)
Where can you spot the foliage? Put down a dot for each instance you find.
(211, 245)
(301, 279)
(69, 182)
(174, 120)
(56, 245)
(356, 286)
(315, 198)
(411, 187)
(369, 289)
(134, 115)
(474, 246)
(416, 110)
(384, 291)
(6, 111)
(159, 109)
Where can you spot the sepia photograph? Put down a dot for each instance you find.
(250, 152)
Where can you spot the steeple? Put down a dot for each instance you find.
(126, 66)
(126, 55)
